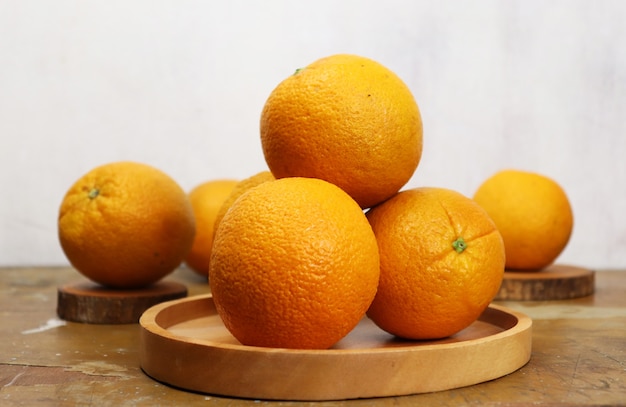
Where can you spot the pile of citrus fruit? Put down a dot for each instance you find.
(296, 256)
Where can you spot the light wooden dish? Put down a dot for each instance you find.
(183, 343)
(555, 282)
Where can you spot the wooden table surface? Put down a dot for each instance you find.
(578, 355)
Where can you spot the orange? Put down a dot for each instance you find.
(533, 215)
(206, 200)
(294, 265)
(125, 225)
(345, 119)
(441, 263)
(239, 189)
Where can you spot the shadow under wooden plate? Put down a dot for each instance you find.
(184, 343)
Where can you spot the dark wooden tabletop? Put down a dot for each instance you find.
(578, 353)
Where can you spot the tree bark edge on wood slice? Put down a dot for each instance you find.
(91, 303)
(555, 282)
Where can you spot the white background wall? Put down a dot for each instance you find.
(535, 85)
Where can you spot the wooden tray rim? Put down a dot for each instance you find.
(153, 334)
(149, 322)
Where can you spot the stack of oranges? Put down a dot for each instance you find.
(297, 262)
(296, 256)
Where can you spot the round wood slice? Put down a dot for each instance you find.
(556, 282)
(92, 303)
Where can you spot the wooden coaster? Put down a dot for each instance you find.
(556, 282)
(92, 303)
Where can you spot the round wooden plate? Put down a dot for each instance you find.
(556, 282)
(88, 302)
(183, 343)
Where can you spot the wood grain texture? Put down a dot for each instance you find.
(556, 282)
(91, 303)
(577, 354)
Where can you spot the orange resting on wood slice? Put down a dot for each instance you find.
(125, 225)
(533, 214)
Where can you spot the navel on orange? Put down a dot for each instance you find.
(125, 225)
(294, 265)
(533, 214)
(441, 263)
(345, 119)
(206, 200)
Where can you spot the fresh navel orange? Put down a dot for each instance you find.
(125, 225)
(242, 186)
(294, 265)
(345, 119)
(206, 200)
(533, 214)
(441, 263)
